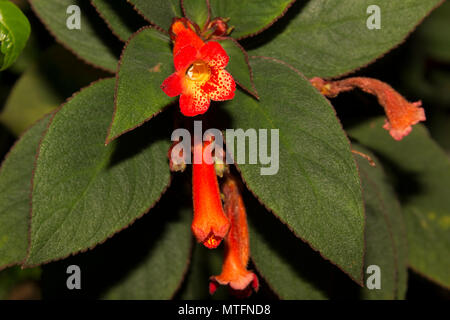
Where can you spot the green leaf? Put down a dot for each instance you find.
(159, 274)
(427, 81)
(238, 65)
(316, 190)
(328, 38)
(150, 258)
(434, 34)
(289, 266)
(90, 43)
(145, 63)
(119, 16)
(158, 12)
(30, 99)
(205, 263)
(422, 170)
(439, 128)
(249, 18)
(16, 277)
(196, 10)
(28, 56)
(44, 86)
(14, 32)
(386, 243)
(15, 185)
(84, 192)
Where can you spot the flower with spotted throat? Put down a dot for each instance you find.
(199, 75)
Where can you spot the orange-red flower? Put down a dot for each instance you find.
(199, 71)
(182, 32)
(237, 248)
(401, 114)
(210, 225)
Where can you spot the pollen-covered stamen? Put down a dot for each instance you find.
(212, 241)
(199, 71)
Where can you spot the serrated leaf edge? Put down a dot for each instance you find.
(253, 90)
(18, 140)
(24, 264)
(92, 64)
(359, 281)
(108, 136)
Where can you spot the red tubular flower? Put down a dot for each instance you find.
(199, 72)
(210, 225)
(237, 248)
(401, 114)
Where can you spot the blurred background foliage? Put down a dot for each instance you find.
(46, 74)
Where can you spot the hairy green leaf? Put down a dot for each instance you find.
(14, 32)
(427, 81)
(238, 65)
(92, 42)
(119, 16)
(249, 17)
(386, 243)
(204, 264)
(146, 61)
(83, 191)
(30, 99)
(422, 170)
(196, 10)
(434, 34)
(150, 258)
(15, 186)
(158, 12)
(159, 274)
(316, 189)
(44, 86)
(288, 265)
(328, 38)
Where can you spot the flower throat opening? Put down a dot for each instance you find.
(198, 71)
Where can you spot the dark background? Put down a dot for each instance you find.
(410, 68)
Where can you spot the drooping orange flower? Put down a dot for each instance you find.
(210, 224)
(237, 248)
(401, 114)
(199, 71)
